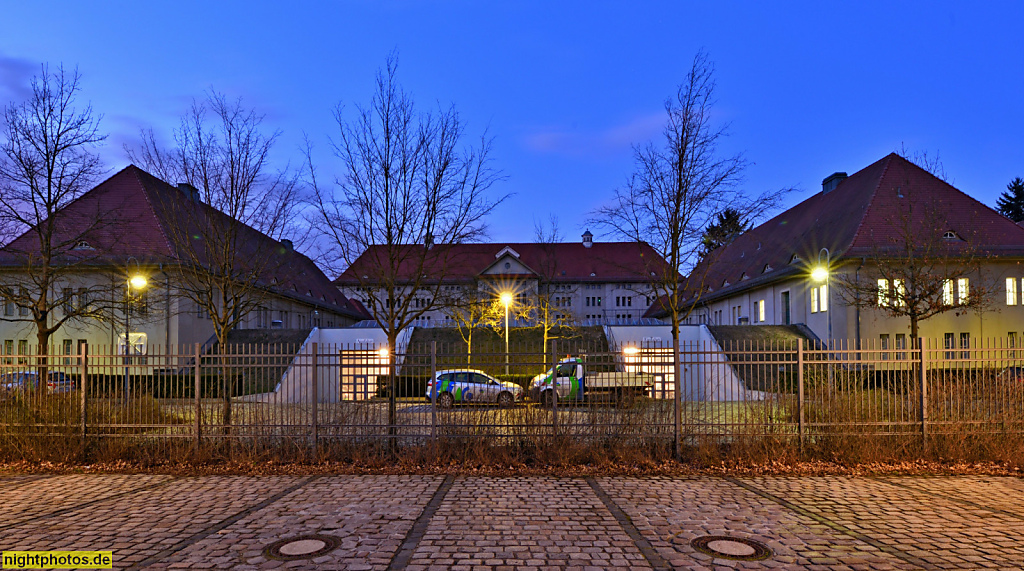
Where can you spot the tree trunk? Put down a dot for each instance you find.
(392, 390)
(913, 327)
(42, 350)
(227, 384)
(677, 404)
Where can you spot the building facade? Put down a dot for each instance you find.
(585, 282)
(124, 267)
(767, 276)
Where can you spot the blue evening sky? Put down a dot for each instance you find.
(566, 88)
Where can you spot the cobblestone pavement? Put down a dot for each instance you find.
(521, 523)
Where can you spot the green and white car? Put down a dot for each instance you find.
(470, 386)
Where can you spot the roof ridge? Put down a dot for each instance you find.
(867, 207)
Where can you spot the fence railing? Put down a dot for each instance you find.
(317, 393)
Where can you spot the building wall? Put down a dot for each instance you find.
(618, 300)
(171, 319)
(997, 320)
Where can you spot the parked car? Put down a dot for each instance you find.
(573, 383)
(57, 382)
(1012, 374)
(471, 385)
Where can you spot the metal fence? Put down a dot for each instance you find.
(362, 393)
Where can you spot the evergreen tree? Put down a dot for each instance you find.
(728, 225)
(1011, 202)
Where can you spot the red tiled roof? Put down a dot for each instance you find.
(140, 214)
(853, 220)
(561, 262)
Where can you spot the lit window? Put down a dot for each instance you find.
(963, 288)
(947, 292)
(899, 293)
(883, 292)
(760, 310)
(1011, 291)
(814, 300)
(824, 297)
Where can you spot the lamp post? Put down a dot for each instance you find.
(137, 282)
(506, 300)
(824, 274)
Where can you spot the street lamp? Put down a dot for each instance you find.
(137, 282)
(506, 300)
(823, 273)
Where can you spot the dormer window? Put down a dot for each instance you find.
(794, 259)
(950, 235)
(767, 268)
(82, 245)
(744, 276)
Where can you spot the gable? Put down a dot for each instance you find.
(508, 264)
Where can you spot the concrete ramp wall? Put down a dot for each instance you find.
(348, 363)
(706, 372)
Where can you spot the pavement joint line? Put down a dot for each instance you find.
(419, 527)
(69, 509)
(200, 535)
(954, 499)
(650, 554)
(836, 526)
(7, 484)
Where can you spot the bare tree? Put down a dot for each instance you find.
(920, 269)
(472, 309)
(47, 160)
(550, 297)
(410, 188)
(678, 188)
(222, 154)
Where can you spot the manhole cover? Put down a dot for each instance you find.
(301, 547)
(725, 547)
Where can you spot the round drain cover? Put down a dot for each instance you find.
(725, 547)
(301, 547)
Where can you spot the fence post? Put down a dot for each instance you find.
(433, 390)
(554, 387)
(800, 428)
(198, 397)
(316, 401)
(83, 355)
(923, 377)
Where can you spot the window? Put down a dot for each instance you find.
(8, 350)
(67, 351)
(965, 343)
(759, 306)
(948, 341)
(9, 309)
(947, 293)
(963, 288)
(883, 344)
(22, 350)
(1011, 342)
(901, 343)
(83, 299)
(899, 293)
(814, 300)
(1011, 291)
(67, 301)
(823, 303)
(23, 311)
(883, 293)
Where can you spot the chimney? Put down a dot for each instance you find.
(832, 181)
(288, 246)
(588, 239)
(190, 190)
